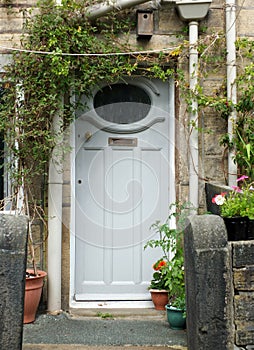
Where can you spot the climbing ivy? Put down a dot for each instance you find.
(241, 142)
(212, 63)
(64, 53)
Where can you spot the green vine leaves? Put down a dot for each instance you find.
(59, 58)
(65, 54)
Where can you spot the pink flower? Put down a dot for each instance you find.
(237, 189)
(242, 178)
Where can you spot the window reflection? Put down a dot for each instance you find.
(122, 103)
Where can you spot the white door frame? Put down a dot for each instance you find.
(172, 198)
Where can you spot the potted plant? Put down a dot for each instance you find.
(169, 270)
(34, 280)
(176, 309)
(33, 291)
(236, 208)
(176, 317)
(158, 285)
(34, 276)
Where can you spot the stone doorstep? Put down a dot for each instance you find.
(138, 313)
(89, 347)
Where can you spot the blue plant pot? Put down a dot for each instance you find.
(176, 318)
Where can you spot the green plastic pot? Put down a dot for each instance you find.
(176, 317)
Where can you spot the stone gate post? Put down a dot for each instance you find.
(13, 242)
(208, 284)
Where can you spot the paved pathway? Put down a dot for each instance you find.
(94, 333)
(88, 347)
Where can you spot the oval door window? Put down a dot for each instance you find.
(122, 103)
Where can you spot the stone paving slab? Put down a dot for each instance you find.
(88, 347)
(66, 332)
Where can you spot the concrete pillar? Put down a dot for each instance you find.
(13, 253)
(208, 284)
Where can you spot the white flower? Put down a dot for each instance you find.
(219, 199)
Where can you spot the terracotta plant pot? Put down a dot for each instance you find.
(159, 298)
(33, 291)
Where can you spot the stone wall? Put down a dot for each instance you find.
(219, 287)
(13, 242)
(243, 297)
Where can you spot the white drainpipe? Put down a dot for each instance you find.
(99, 10)
(231, 76)
(193, 141)
(193, 11)
(55, 182)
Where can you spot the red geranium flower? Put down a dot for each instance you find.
(159, 264)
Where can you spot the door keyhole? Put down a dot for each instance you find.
(79, 182)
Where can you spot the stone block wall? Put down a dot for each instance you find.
(13, 242)
(243, 297)
(208, 284)
(219, 287)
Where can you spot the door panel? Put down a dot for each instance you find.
(121, 189)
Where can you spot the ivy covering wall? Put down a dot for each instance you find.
(64, 53)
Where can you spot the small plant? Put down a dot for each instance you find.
(159, 280)
(176, 283)
(239, 201)
(242, 144)
(169, 270)
(104, 315)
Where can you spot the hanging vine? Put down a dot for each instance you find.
(64, 53)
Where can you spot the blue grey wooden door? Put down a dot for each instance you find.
(122, 175)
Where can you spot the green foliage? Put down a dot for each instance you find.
(159, 280)
(239, 201)
(170, 275)
(59, 60)
(233, 205)
(241, 142)
(212, 59)
(104, 315)
(64, 53)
